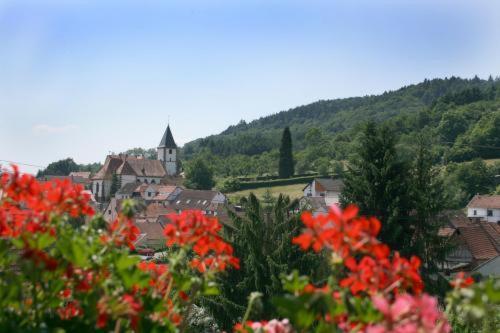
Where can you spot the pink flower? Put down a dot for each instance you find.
(408, 314)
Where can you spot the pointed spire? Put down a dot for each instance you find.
(167, 141)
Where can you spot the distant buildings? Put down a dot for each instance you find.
(81, 178)
(136, 170)
(476, 244)
(320, 194)
(484, 208)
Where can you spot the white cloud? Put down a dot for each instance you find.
(48, 129)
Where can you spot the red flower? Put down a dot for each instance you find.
(194, 230)
(339, 231)
(122, 231)
(69, 310)
(461, 281)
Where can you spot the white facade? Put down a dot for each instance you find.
(127, 179)
(485, 214)
(168, 157)
(489, 268)
(331, 197)
(101, 189)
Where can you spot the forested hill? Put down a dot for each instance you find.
(339, 116)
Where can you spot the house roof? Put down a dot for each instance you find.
(143, 167)
(479, 241)
(315, 204)
(328, 184)
(128, 189)
(72, 178)
(130, 165)
(82, 174)
(167, 141)
(485, 201)
(455, 218)
(155, 210)
(166, 192)
(153, 230)
(446, 231)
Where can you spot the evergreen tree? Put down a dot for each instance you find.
(428, 196)
(199, 176)
(377, 181)
(262, 239)
(115, 185)
(286, 163)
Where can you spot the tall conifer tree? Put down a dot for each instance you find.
(286, 163)
(115, 184)
(377, 181)
(427, 192)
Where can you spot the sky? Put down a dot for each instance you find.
(82, 78)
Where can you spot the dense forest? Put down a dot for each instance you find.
(462, 115)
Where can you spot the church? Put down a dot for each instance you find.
(137, 169)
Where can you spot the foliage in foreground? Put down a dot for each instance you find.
(63, 269)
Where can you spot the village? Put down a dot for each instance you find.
(155, 185)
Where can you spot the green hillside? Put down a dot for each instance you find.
(463, 115)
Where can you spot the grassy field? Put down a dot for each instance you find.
(294, 191)
(492, 161)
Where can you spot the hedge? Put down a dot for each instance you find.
(277, 182)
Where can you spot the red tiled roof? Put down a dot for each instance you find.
(153, 230)
(485, 201)
(446, 231)
(479, 242)
(157, 209)
(83, 174)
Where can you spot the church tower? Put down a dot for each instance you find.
(167, 153)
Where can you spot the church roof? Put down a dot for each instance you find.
(130, 165)
(167, 141)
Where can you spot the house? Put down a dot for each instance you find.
(489, 268)
(154, 217)
(328, 188)
(74, 177)
(484, 208)
(316, 205)
(209, 202)
(151, 233)
(475, 242)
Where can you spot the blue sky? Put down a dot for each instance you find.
(82, 78)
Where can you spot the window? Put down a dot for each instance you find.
(475, 212)
(153, 181)
(170, 151)
(109, 212)
(489, 212)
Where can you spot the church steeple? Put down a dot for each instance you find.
(167, 141)
(167, 152)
